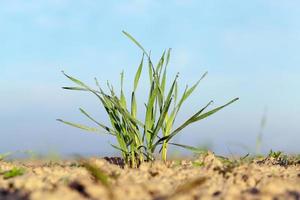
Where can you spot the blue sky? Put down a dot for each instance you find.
(250, 49)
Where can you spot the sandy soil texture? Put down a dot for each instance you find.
(207, 177)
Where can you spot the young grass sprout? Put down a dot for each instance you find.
(13, 173)
(138, 140)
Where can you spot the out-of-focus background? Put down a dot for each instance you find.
(250, 49)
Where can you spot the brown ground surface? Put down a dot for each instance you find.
(206, 177)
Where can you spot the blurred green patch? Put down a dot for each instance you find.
(16, 171)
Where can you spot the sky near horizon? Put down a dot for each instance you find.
(249, 48)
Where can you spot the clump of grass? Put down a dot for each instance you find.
(16, 171)
(138, 140)
(275, 154)
(229, 164)
(280, 158)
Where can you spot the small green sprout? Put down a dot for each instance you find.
(99, 176)
(197, 164)
(138, 140)
(279, 158)
(16, 171)
(274, 154)
(97, 173)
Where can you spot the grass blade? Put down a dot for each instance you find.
(133, 105)
(198, 117)
(168, 56)
(109, 130)
(185, 124)
(214, 110)
(122, 96)
(75, 88)
(83, 127)
(138, 74)
(191, 90)
(136, 42)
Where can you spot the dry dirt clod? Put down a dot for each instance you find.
(77, 186)
(13, 194)
(115, 161)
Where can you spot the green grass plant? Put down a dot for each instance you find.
(139, 139)
(16, 171)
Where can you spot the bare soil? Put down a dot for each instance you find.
(207, 177)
